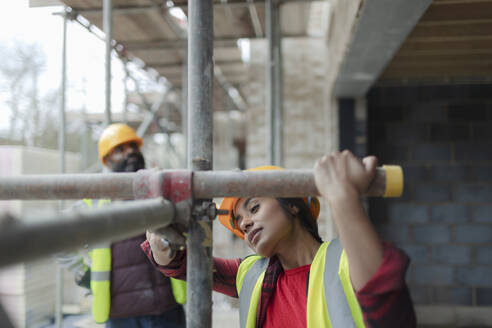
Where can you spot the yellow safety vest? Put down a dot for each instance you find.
(331, 300)
(101, 277)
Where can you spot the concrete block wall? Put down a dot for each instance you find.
(442, 137)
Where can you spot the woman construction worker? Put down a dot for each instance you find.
(296, 280)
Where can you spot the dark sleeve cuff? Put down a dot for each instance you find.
(391, 273)
(176, 268)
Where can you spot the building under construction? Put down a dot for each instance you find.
(407, 81)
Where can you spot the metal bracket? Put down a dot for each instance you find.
(173, 185)
(207, 210)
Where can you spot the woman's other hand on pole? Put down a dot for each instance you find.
(341, 175)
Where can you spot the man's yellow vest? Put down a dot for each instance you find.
(331, 300)
(101, 275)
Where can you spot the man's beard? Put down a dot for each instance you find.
(132, 163)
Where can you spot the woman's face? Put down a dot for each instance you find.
(264, 223)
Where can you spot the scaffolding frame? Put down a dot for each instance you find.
(182, 197)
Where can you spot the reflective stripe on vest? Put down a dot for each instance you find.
(249, 280)
(100, 274)
(331, 298)
(179, 290)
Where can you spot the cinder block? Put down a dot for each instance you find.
(432, 152)
(417, 253)
(473, 151)
(435, 275)
(468, 112)
(377, 132)
(451, 254)
(449, 172)
(473, 193)
(432, 192)
(427, 113)
(449, 213)
(409, 213)
(481, 131)
(484, 296)
(452, 296)
(405, 134)
(484, 255)
(449, 132)
(479, 276)
(388, 153)
(482, 172)
(397, 233)
(473, 234)
(431, 234)
(414, 173)
(483, 214)
(378, 210)
(420, 295)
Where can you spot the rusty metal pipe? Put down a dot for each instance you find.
(68, 186)
(21, 242)
(281, 183)
(206, 184)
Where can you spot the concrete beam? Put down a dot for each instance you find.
(381, 29)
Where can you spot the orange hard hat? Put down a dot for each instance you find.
(229, 203)
(115, 135)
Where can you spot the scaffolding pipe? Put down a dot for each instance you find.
(200, 145)
(205, 185)
(4, 318)
(128, 10)
(279, 89)
(255, 19)
(68, 186)
(184, 105)
(108, 31)
(61, 146)
(22, 242)
(273, 84)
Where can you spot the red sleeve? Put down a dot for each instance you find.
(224, 275)
(385, 300)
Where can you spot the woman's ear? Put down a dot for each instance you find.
(294, 210)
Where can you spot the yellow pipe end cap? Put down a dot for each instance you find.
(394, 181)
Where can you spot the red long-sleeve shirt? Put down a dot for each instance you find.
(384, 300)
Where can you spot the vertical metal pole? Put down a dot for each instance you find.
(108, 31)
(271, 97)
(61, 146)
(85, 130)
(278, 89)
(200, 127)
(184, 105)
(125, 85)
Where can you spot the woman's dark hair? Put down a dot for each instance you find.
(305, 217)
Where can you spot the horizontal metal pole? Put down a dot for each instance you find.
(125, 10)
(21, 242)
(209, 184)
(219, 42)
(280, 183)
(68, 186)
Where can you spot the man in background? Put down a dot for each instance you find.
(127, 291)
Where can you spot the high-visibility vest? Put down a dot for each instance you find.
(331, 300)
(100, 274)
(101, 277)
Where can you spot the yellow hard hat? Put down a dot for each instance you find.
(115, 135)
(229, 203)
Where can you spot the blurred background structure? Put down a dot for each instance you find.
(407, 81)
